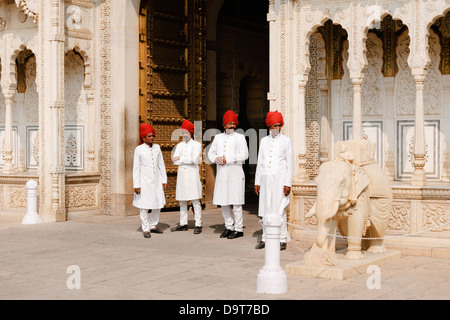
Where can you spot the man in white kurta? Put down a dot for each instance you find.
(149, 180)
(274, 174)
(189, 187)
(229, 151)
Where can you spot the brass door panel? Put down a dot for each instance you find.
(172, 52)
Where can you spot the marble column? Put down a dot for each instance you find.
(324, 148)
(357, 108)
(8, 167)
(419, 178)
(274, 75)
(92, 134)
(54, 111)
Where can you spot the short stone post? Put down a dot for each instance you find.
(271, 277)
(32, 216)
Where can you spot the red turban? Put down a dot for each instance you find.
(230, 116)
(145, 130)
(274, 117)
(189, 126)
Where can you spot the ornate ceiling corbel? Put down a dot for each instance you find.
(29, 8)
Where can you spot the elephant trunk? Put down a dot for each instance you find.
(324, 230)
(322, 253)
(326, 223)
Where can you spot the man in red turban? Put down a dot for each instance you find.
(149, 180)
(274, 174)
(188, 126)
(229, 151)
(187, 156)
(230, 117)
(274, 117)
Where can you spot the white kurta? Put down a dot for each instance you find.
(275, 169)
(189, 186)
(229, 188)
(149, 173)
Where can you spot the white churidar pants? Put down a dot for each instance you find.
(149, 221)
(197, 213)
(236, 224)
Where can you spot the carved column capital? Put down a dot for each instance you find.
(419, 80)
(357, 82)
(301, 84)
(9, 97)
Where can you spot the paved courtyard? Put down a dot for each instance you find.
(108, 258)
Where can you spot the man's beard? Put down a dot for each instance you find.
(274, 132)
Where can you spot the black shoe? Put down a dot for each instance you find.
(282, 246)
(147, 234)
(180, 228)
(155, 230)
(260, 245)
(226, 233)
(235, 234)
(197, 230)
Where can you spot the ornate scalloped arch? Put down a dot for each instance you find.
(438, 12)
(87, 63)
(307, 24)
(11, 82)
(16, 45)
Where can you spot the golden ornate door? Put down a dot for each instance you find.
(172, 75)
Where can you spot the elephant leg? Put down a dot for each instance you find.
(355, 225)
(380, 209)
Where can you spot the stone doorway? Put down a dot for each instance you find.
(243, 73)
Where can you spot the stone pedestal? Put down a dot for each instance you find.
(272, 278)
(32, 216)
(345, 268)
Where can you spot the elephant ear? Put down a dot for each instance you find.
(361, 181)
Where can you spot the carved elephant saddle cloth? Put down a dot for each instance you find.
(379, 185)
(376, 199)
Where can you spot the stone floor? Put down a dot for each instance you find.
(112, 260)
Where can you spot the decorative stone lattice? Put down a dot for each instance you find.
(312, 113)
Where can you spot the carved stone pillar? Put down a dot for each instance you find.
(8, 147)
(273, 57)
(299, 132)
(419, 178)
(357, 108)
(324, 147)
(90, 166)
(53, 88)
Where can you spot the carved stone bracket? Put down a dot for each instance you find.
(27, 7)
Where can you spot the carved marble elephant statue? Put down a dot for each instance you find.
(354, 195)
